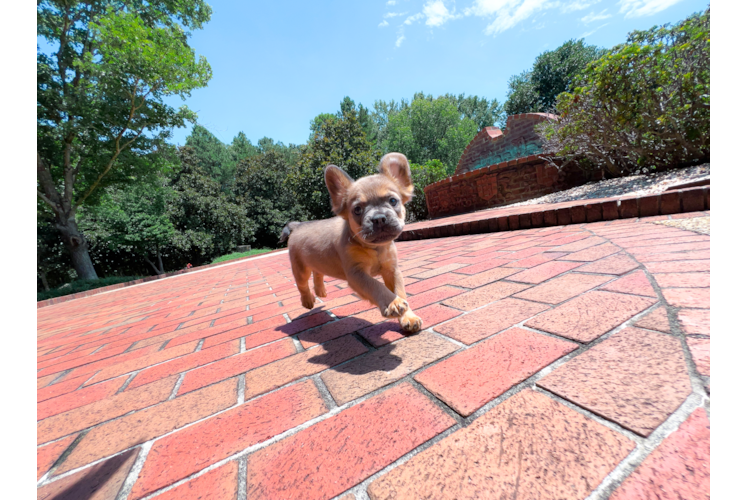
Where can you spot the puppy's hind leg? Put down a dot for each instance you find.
(301, 274)
(319, 284)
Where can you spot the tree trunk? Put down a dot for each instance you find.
(155, 269)
(77, 245)
(160, 263)
(43, 276)
(41, 271)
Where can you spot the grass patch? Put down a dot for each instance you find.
(83, 285)
(239, 255)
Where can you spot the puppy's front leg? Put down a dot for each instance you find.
(390, 305)
(394, 281)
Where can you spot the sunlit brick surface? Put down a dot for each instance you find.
(544, 353)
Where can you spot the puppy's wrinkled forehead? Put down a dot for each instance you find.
(373, 189)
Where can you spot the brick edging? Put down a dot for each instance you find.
(96, 291)
(694, 199)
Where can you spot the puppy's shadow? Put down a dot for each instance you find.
(380, 360)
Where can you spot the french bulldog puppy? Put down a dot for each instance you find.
(358, 243)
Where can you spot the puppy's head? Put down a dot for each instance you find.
(373, 205)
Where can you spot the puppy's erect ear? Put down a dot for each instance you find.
(396, 166)
(337, 182)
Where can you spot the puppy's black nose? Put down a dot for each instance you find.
(378, 220)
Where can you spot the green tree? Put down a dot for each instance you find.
(212, 154)
(552, 73)
(242, 148)
(642, 107)
(100, 97)
(261, 191)
(483, 112)
(423, 175)
(522, 96)
(131, 219)
(315, 126)
(348, 105)
(290, 153)
(430, 129)
(207, 222)
(340, 141)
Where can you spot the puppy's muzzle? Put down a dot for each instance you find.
(379, 221)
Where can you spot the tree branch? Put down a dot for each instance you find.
(46, 200)
(44, 176)
(67, 196)
(117, 149)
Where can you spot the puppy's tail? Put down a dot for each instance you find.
(286, 232)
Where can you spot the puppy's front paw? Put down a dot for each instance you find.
(320, 291)
(307, 300)
(396, 308)
(410, 322)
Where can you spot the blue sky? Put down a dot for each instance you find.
(276, 65)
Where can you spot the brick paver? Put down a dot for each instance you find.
(377, 369)
(588, 316)
(679, 468)
(215, 369)
(656, 320)
(143, 425)
(99, 482)
(563, 288)
(180, 454)
(47, 455)
(529, 447)
(218, 484)
(474, 377)
(637, 388)
(352, 444)
(491, 319)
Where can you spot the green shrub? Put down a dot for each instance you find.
(642, 107)
(423, 175)
(83, 285)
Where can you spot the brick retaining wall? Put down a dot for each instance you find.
(497, 185)
(492, 145)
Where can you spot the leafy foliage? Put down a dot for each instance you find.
(347, 105)
(644, 106)
(218, 159)
(206, 220)
(131, 220)
(212, 155)
(423, 175)
(53, 265)
(290, 153)
(522, 96)
(481, 111)
(340, 141)
(552, 73)
(83, 285)
(428, 129)
(260, 190)
(100, 98)
(242, 148)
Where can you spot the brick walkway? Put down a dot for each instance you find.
(562, 362)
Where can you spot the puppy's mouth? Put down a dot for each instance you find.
(384, 235)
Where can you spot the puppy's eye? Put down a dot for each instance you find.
(393, 201)
(357, 210)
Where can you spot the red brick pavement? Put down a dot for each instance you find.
(549, 355)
